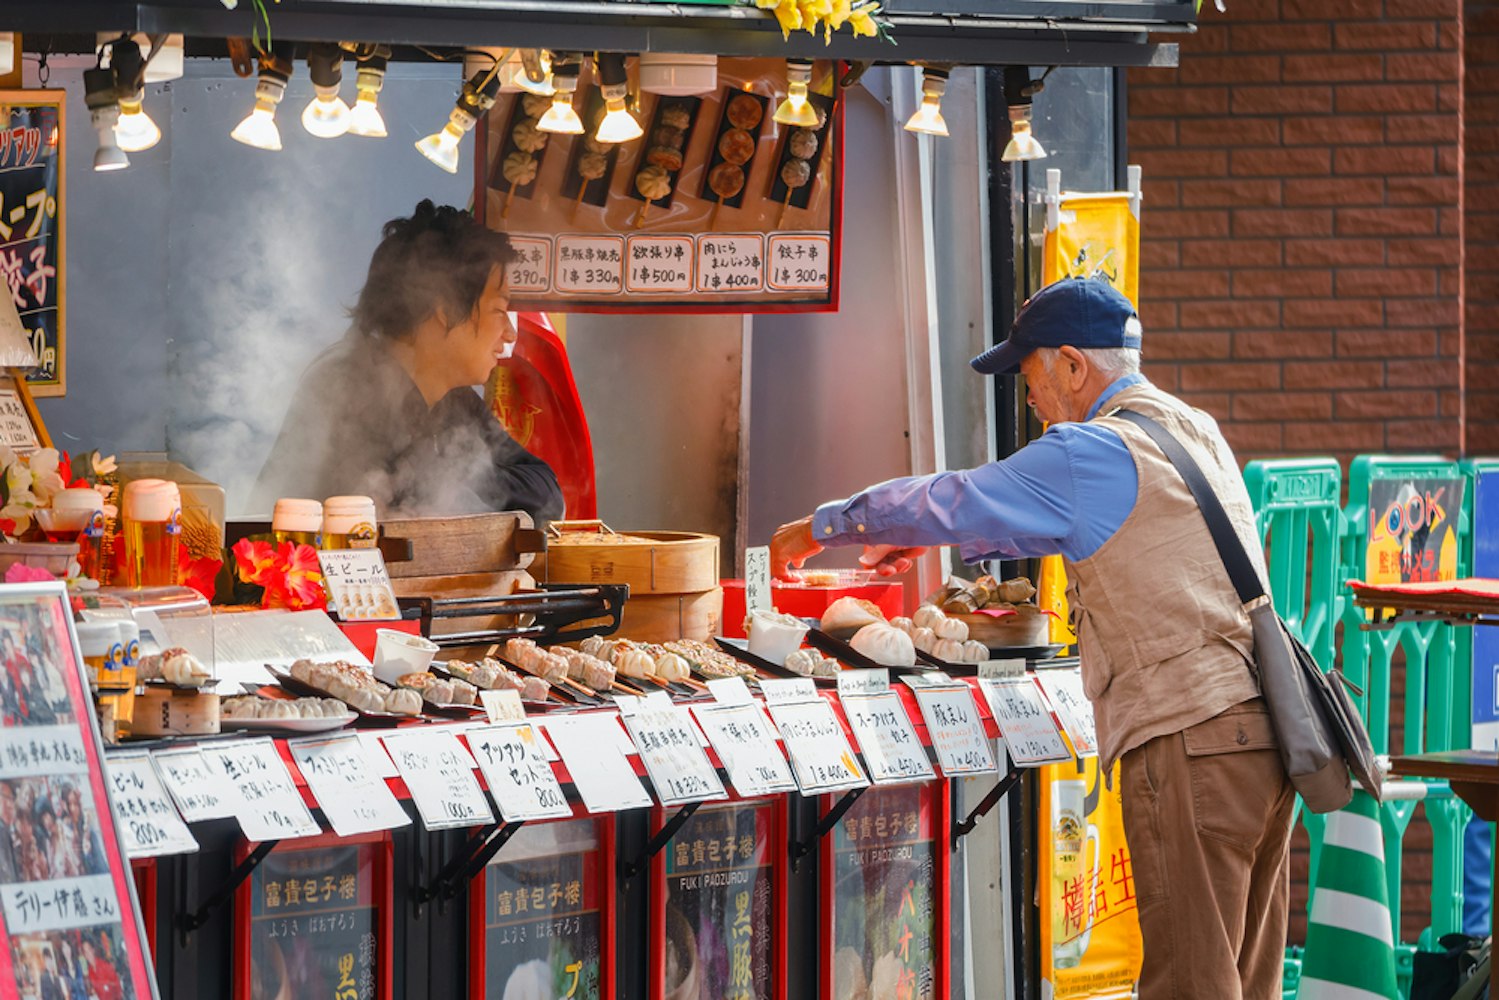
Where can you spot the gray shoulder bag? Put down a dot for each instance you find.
(1321, 736)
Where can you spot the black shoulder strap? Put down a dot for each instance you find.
(1240, 569)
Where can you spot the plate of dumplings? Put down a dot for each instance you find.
(255, 713)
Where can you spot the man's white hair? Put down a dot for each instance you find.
(1115, 362)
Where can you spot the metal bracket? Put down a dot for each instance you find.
(476, 853)
(226, 891)
(988, 802)
(654, 846)
(801, 848)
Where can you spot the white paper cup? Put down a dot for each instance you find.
(401, 653)
(773, 636)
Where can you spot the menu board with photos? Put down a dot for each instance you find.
(542, 929)
(718, 918)
(68, 910)
(715, 207)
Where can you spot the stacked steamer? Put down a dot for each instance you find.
(672, 575)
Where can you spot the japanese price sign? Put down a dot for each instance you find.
(891, 747)
(198, 793)
(745, 742)
(952, 720)
(531, 271)
(515, 767)
(1065, 689)
(731, 263)
(266, 802)
(589, 745)
(345, 783)
(659, 264)
(359, 587)
(148, 821)
(668, 745)
(798, 262)
(590, 265)
(31, 225)
(821, 758)
(439, 773)
(1025, 721)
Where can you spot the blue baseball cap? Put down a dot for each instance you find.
(1074, 312)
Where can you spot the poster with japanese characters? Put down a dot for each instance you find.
(885, 895)
(68, 912)
(543, 927)
(31, 225)
(315, 922)
(719, 914)
(714, 206)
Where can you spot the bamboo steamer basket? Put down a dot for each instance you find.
(672, 576)
(1029, 626)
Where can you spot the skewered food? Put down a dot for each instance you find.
(745, 111)
(653, 183)
(635, 663)
(707, 660)
(672, 138)
(736, 146)
(519, 169)
(665, 157)
(796, 173)
(592, 166)
(535, 105)
(676, 116)
(671, 667)
(726, 180)
(528, 138)
(588, 669)
(886, 645)
(803, 144)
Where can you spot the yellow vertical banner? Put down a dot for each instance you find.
(1090, 932)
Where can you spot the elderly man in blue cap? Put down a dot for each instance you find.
(1164, 639)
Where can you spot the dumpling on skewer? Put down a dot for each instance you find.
(665, 157)
(803, 144)
(672, 138)
(745, 111)
(528, 138)
(535, 105)
(676, 116)
(519, 169)
(796, 174)
(653, 183)
(671, 667)
(726, 180)
(592, 166)
(736, 146)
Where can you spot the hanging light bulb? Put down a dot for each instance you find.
(326, 115)
(477, 97)
(104, 111)
(535, 76)
(618, 124)
(796, 109)
(928, 118)
(1019, 90)
(259, 128)
(135, 131)
(365, 119)
(561, 117)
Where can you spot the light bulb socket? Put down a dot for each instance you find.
(933, 81)
(614, 95)
(479, 93)
(369, 81)
(325, 65)
(128, 65)
(611, 69)
(1019, 87)
(798, 71)
(270, 88)
(99, 90)
(130, 104)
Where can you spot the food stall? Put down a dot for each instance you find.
(783, 836)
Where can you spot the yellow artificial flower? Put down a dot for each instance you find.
(861, 20)
(789, 16)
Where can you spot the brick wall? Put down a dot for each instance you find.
(1481, 215)
(1301, 239)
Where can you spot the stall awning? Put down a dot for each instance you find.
(973, 32)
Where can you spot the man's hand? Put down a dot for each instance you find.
(790, 546)
(889, 560)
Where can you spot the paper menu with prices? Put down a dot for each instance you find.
(531, 271)
(439, 773)
(515, 766)
(358, 585)
(744, 740)
(346, 785)
(1064, 686)
(957, 732)
(590, 265)
(799, 262)
(198, 792)
(821, 758)
(605, 781)
(16, 431)
(668, 744)
(658, 264)
(892, 750)
(266, 801)
(730, 263)
(1025, 721)
(149, 823)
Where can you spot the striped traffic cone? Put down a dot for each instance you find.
(1350, 947)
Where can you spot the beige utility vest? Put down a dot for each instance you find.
(1165, 643)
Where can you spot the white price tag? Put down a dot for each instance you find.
(148, 821)
(197, 791)
(346, 784)
(757, 578)
(379, 757)
(871, 681)
(679, 769)
(502, 706)
(602, 773)
(1064, 686)
(732, 263)
(359, 587)
(798, 262)
(266, 801)
(997, 669)
(745, 742)
(892, 750)
(730, 691)
(531, 271)
(439, 773)
(821, 758)
(16, 430)
(658, 264)
(514, 764)
(590, 265)
(789, 691)
(1025, 721)
(952, 720)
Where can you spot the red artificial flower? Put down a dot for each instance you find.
(198, 574)
(65, 467)
(8, 526)
(257, 562)
(302, 586)
(21, 573)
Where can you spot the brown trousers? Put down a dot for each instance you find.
(1207, 813)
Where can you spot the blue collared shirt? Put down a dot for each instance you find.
(1068, 491)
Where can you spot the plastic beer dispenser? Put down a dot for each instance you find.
(297, 520)
(152, 514)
